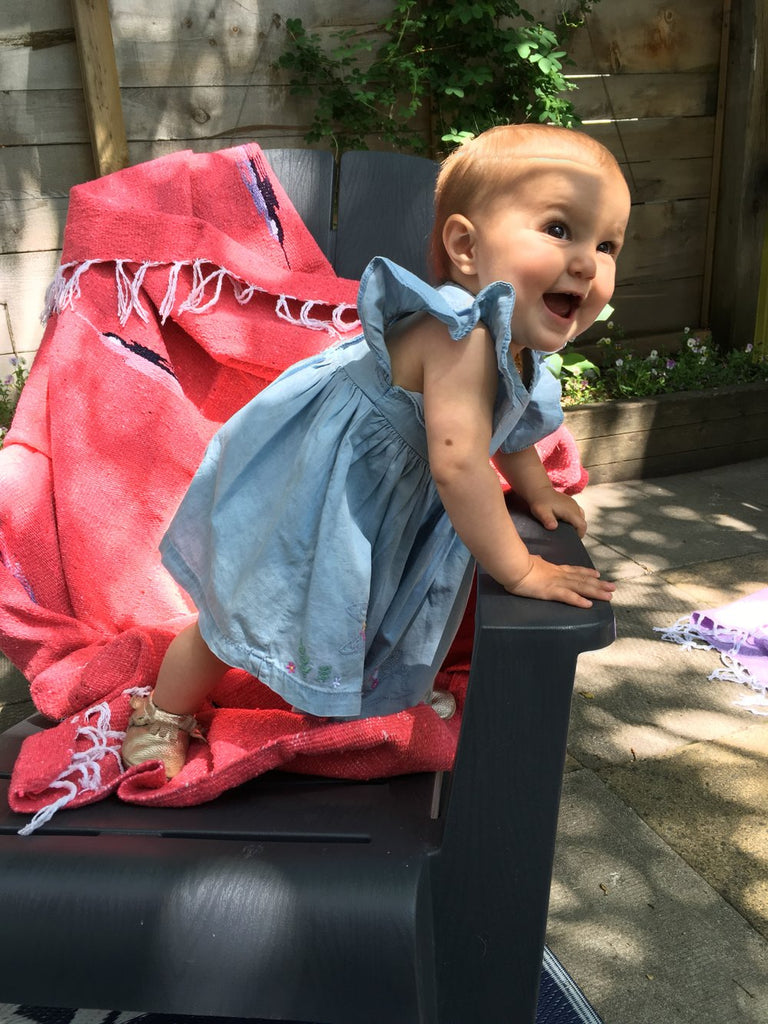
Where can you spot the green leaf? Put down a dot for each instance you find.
(477, 62)
(555, 364)
(605, 314)
(579, 365)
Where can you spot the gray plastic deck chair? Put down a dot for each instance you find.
(400, 901)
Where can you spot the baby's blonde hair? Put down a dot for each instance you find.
(492, 163)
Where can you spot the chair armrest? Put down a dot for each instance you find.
(495, 864)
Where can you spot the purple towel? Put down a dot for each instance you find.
(739, 631)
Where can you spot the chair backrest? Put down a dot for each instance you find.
(308, 176)
(384, 205)
(385, 209)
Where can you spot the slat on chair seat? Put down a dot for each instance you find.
(277, 807)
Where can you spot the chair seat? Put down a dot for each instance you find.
(307, 878)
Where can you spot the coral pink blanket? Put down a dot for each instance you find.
(186, 285)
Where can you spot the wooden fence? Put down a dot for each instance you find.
(661, 86)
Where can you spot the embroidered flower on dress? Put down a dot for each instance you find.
(291, 667)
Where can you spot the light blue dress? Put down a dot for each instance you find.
(312, 538)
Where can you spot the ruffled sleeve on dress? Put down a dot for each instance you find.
(389, 292)
(542, 414)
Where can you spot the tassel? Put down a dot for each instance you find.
(85, 763)
(343, 326)
(123, 286)
(64, 291)
(166, 306)
(136, 286)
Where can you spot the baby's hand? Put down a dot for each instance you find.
(549, 506)
(571, 584)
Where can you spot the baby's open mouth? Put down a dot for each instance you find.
(562, 304)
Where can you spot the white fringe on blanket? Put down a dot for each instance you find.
(85, 764)
(207, 282)
(691, 636)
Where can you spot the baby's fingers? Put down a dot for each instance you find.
(571, 584)
(579, 586)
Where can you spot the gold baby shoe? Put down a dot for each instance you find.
(155, 735)
(443, 703)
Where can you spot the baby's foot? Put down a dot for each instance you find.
(443, 703)
(156, 735)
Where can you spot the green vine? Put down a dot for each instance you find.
(447, 70)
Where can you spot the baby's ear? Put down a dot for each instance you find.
(459, 241)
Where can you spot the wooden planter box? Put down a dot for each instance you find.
(673, 433)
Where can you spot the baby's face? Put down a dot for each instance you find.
(555, 238)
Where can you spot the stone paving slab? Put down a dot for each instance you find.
(644, 697)
(644, 935)
(712, 584)
(744, 481)
(709, 803)
(673, 522)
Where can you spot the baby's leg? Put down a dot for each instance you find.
(161, 724)
(190, 670)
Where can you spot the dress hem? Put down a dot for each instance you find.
(256, 663)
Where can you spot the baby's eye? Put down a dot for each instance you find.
(609, 247)
(557, 230)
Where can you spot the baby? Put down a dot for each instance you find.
(329, 537)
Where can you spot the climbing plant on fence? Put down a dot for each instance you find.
(463, 65)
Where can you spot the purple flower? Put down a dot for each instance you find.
(671, 364)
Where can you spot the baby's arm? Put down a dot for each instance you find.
(526, 475)
(460, 382)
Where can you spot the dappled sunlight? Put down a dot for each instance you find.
(663, 834)
(709, 802)
(680, 512)
(728, 522)
(625, 908)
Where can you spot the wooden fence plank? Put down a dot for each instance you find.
(662, 413)
(200, 44)
(211, 112)
(644, 140)
(25, 66)
(44, 172)
(24, 279)
(664, 240)
(653, 181)
(743, 195)
(624, 96)
(56, 115)
(651, 306)
(28, 17)
(31, 225)
(634, 36)
(101, 88)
